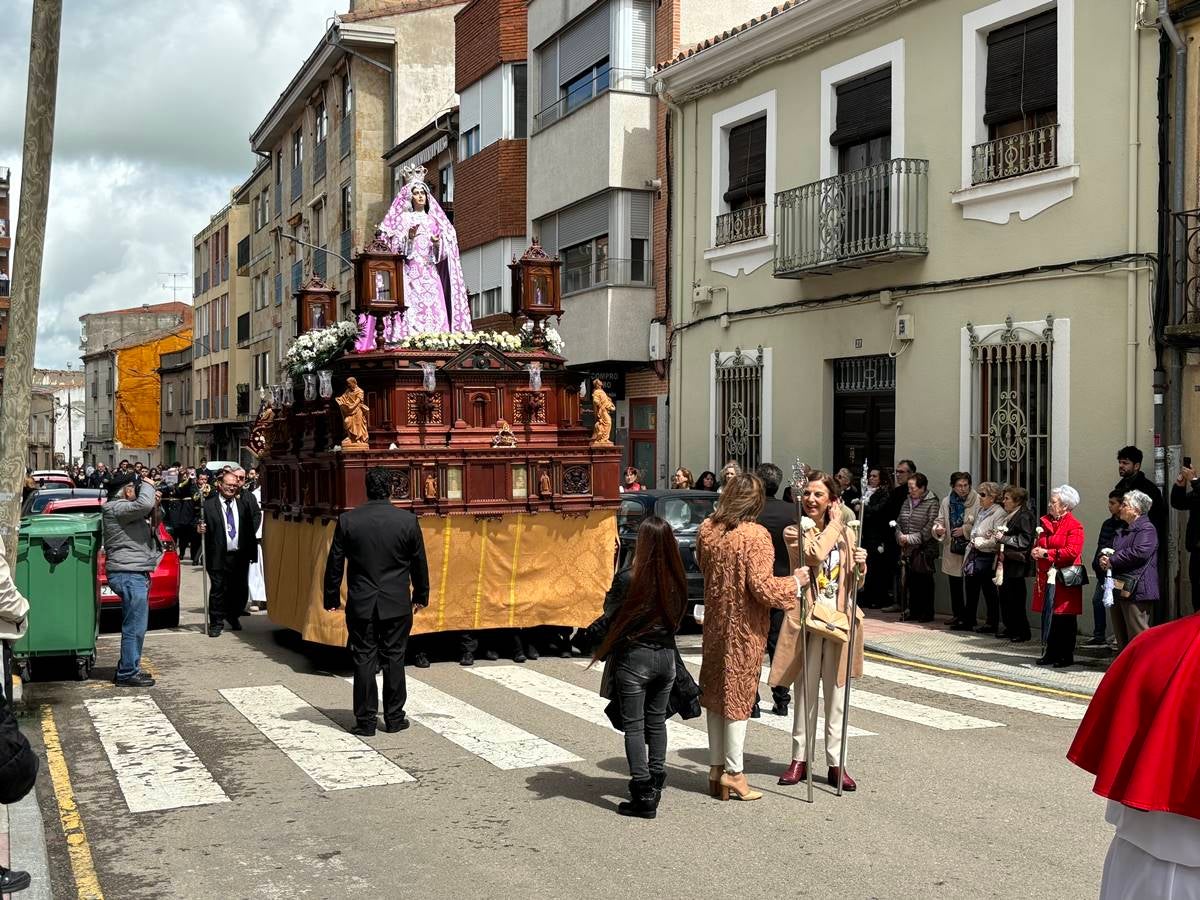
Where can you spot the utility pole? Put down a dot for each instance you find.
(41, 96)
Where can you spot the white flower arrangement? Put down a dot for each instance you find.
(892, 524)
(1107, 551)
(316, 349)
(807, 524)
(554, 341)
(459, 340)
(1040, 530)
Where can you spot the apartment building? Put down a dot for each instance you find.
(175, 407)
(879, 218)
(596, 169)
(6, 236)
(40, 453)
(261, 330)
(221, 363)
(380, 72)
(66, 388)
(489, 178)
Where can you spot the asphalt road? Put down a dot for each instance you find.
(992, 810)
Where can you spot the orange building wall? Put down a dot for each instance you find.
(139, 391)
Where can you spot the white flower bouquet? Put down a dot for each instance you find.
(554, 341)
(316, 349)
(459, 340)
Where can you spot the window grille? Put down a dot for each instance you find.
(864, 374)
(739, 408)
(1011, 427)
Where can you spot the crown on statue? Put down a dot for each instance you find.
(414, 175)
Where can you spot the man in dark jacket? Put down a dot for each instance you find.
(387, 581)
(776, 516)
(1129, 467)
(905, 469)
(1108, 533)
(229, 524)
(1185, 495)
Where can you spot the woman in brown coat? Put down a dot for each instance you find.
(832, 553)
(737, 558)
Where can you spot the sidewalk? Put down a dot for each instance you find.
(981, 654)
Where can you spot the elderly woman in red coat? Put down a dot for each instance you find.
(1059, 546)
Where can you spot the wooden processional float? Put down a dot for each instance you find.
(486, 445)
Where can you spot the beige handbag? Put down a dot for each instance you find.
(828, 623)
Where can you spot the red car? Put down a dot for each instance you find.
(164, 580)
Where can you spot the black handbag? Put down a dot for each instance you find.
(958, 545)
(18, 762)
(1073, 576)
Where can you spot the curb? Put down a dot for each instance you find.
(27, 846)
(1021, 677)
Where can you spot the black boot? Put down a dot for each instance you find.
(643, 802)
(658, 781)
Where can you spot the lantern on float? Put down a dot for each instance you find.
(537, 290)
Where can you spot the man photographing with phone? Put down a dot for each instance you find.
(386, 582)
(1185, 495)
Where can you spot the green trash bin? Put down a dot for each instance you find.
(56, 571)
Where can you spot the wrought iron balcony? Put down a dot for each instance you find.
(346, 136)
(1017, 154)
(742, 224)
(319, 162)
(876, 214)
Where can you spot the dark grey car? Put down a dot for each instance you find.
(683, 511)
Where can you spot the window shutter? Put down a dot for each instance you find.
(583, 221)
(639, 216)
(547, 231)
(642, 43)
(1022, 69)
(864, 108)
(747, 161)
(549, 81)
(584, 45)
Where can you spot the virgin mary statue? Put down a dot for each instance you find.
(417, 228)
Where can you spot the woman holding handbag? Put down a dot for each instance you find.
(836, 562)
(740, 588)
(1134, 566)
(979, 563)
(951, 528)
(1015, 542)
(1060, 575)
(918, 548)
(644, 607)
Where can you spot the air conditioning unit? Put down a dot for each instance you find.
(658, 341)
(702, 293)
(906, 327)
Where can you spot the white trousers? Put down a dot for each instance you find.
(820, 670)
(726, 742)
(1130, 873)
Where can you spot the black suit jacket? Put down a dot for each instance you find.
(249, 518)
(775, 517)
(387, 570)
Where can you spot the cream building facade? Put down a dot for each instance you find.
(917, 230)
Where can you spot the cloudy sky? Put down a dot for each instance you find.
(156, 100)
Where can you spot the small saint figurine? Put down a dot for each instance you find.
(504, 435)
(353, 407)
(260, 434)
(603, 407)
(545, 488)
(431, 490)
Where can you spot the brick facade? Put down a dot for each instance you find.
(486, 34)
(644, 383)
(666, 45)
(489, 194)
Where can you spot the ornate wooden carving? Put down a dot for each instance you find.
(401, 483)
(577, 480)
(529, 408)
(423, 409)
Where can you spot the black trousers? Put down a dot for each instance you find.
(1060, 648)
(1194, 577)
(991, 598)
(230, 590)
(958, 600)
(378, 644)
(919, 590)
(781, 692)
(1012, 608)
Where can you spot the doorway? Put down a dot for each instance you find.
(643, 438)
(864, 412)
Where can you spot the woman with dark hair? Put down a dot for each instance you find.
(918, 549)
(878, 541)
(1015, 539)
(740, 588)
(836, 562)
(707, 482)
(645, 606)
(633, 480)
(952, 528)
(682, 479)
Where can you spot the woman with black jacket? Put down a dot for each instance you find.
(1016, 539)
(644, 608)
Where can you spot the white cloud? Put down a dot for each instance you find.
(156, 101)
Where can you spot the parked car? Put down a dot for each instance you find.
(164, 580)
(36, 502)
(46, 477)
(683, 511)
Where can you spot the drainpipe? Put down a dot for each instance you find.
(1131, 240)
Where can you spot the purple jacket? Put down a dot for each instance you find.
(1137, 554)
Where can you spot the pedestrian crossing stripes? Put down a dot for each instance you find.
(329, 755)
(154, 767)
(1034, 703)
(582, 703)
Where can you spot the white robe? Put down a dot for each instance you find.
(1153, 855)
(258, 586)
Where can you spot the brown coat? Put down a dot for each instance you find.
(739, 591)
(789, 651)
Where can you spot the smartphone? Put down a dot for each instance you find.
(1187, 462)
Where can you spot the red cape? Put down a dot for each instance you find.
(1140, 736)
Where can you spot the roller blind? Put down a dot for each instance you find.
(864, 108)
(1022, 69)
(548, 86)
(584, 44)
(583, 221)
(747, 161)
(642, 39)
(639, 216)
(547, 231)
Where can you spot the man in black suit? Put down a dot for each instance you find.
(387, 581)
(776, 516)
(229, 523)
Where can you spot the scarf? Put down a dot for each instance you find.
(958, 510)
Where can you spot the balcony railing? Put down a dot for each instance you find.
(608, 273)
(345, 251)
(4, 286)
(319, 162)
(742, 224)
(319, 258)
(346, 136)
(297, 183)
(243, 252)
(1017, 154)
(628, 80)
(203, 282)
(297, 274)
(878, 213)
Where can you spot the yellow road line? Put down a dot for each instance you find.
(882, 657)
(87, 885)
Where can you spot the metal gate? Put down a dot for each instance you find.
(739, 408)
(1011, 378)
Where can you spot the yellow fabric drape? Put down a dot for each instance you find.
(138, 416)
(517, 571)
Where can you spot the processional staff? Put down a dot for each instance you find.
(799, 483)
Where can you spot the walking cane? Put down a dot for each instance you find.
(852, 610)
(799, 483)
(204, 580)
